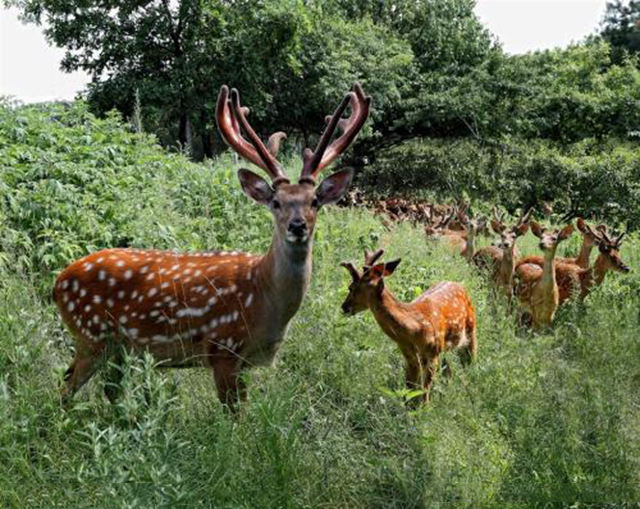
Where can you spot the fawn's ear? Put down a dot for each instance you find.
(334, 186)
(389, 267)
(497, 227)
(582, 226)
(255, 187)
(536, 229)
(566, 232)
(522, 229)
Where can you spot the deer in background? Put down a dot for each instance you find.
(225, 310)
(537, 290)
(574, 274)
(503, 263)
(442, 318)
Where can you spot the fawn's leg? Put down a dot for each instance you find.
(468, 352)
(430, 367)
(231, 388)
(85, 363)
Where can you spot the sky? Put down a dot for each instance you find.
(29, 67)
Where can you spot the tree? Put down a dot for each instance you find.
(621, 26)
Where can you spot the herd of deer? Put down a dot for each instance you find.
(230, 310)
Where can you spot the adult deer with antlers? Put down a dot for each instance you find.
(442, 318)
(224, 310)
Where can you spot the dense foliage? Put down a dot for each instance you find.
(547, 420)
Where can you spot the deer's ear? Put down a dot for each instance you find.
(497, 227)
(255, 187)
(536, 229)
(565, 232)
(334, 186)
(522, 229)
(389, 267)
(582, 226)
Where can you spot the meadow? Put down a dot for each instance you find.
(547, 419)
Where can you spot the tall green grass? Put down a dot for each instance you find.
(548, 419)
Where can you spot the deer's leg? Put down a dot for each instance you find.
(231, 388)
(468, 352)
(84, 365)
(413, 381)
(430, 367)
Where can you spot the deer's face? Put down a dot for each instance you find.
(612, 258)
(295, 209)
(295, 206)
(360, 293)
(366, 288)
(549, 240)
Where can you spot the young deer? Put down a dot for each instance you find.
(472, 228)
(440, 319)
(572, 274)
(224, 310)
(502, 275)
(537, 290)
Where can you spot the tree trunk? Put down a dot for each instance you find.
(207, 149)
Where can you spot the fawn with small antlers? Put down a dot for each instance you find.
(537, 290)
(225, 310)
(442, 318)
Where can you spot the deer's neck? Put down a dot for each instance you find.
(469, 249)
(548, 269)
(507, 265)
(585, 252)
(390, 314)
(283, 274)
(600, 269)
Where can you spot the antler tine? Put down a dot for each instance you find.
(603, 233)
(370, 258)
(325, 153)
(525, 216)
(273, 143)
(272, 166)
(618, 240)
(352, 270)
(230, 117)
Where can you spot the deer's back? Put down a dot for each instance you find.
(179, 306)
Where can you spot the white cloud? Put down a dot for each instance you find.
(529, 25)
(29, 67)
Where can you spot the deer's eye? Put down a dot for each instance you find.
(275, 204)
(315, 203)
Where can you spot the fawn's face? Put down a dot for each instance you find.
(549, 240)
(508, 236)
(612, 259)
(295, 206)
(365, 288)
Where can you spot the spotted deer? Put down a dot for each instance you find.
(537, 290)
(225, 310)
(442, 318)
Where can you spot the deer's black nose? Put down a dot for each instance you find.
(345, 308)
(298, 226)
